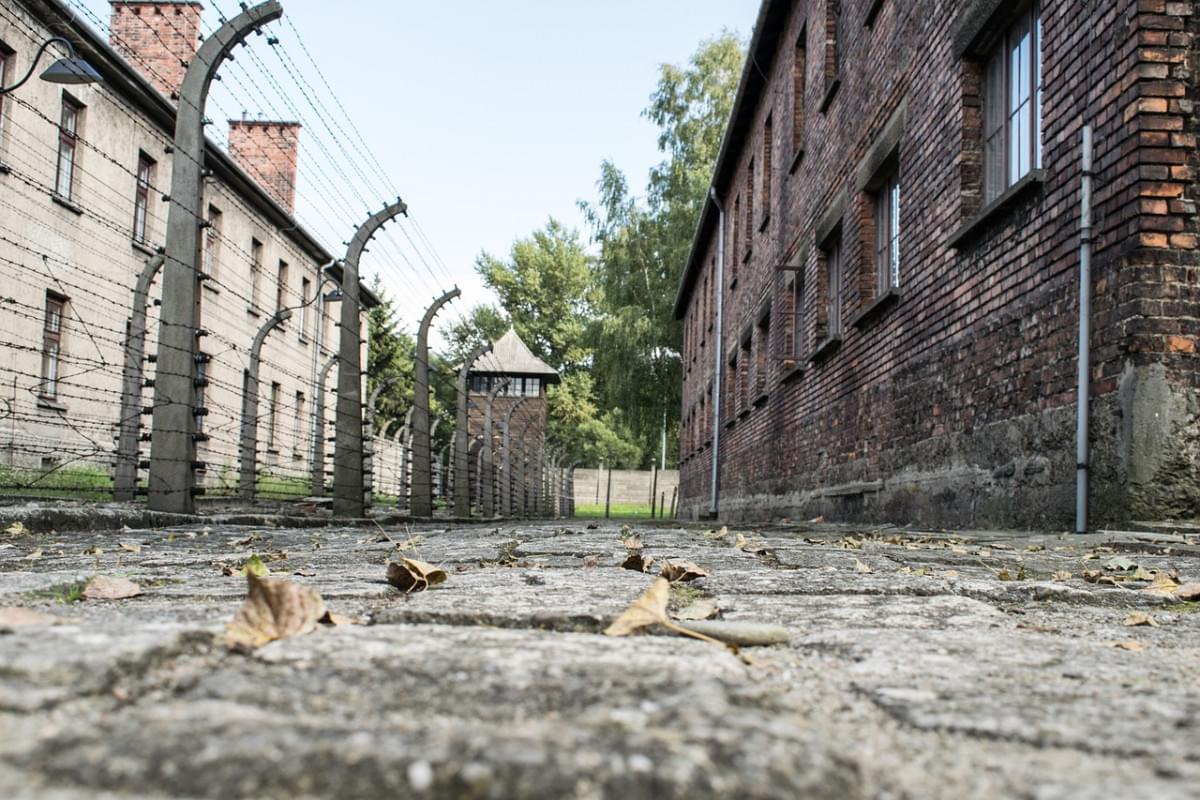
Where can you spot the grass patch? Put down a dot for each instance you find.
(279, 487)
(78, 483)
(616, 511)
(1183, 608)
(65, 593)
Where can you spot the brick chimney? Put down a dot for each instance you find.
(157, 38)
(267, 150)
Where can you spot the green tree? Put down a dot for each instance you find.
(644, 243)
(390, 355)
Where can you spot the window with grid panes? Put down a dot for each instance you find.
(887, 234)
(1012, 100)
(256, 264)
(833, 288)
(52, 329)
(141, 198)
(68, 156)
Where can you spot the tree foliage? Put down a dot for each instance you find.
(644, 243)
(390, 356)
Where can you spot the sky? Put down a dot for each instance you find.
(487, 118)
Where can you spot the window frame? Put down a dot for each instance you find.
(273, 416)
(1007, 161)
(302, 311)
(281, 286)
(791, 351)
(144, 181)
(298, 443)
(768, 147)
(886, 204)
(799, 87)
(211, 246)
(256, 266)
(833, 255)
(52, 334)
(68, 145)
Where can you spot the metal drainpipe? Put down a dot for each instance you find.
(718, 344)
(1085, 313)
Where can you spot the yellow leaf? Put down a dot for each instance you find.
(274, 609)
(1163, 584)
(676, 571)
(1140, 618)
(131, 547)
(633, 542)
(1135, 647)
(102, 587)
(410, 575)
(647, 610)
(16, 529)
(860, 566)
(740, 543)
(253, 566)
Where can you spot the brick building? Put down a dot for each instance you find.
(510, 359)
(84, 175)
(881, 308)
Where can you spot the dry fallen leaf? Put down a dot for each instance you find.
(704, 608)
(411, 575)
(1163, 585)
(35, 555)
(864, 568)
(633, 542)
(676, 571)
(1140, 618)
(647, 610)
(1188, 592)
(17, 617)
(1061, 576)
(305, 573)
(103, 587)
(1135, 647)
(740, 543)
(592, 560)
(638, 562)
(16, 529)
(274, 609)
(131, 547)
(330, 618)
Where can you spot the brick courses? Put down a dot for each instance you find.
(953, 403)
(159, 38)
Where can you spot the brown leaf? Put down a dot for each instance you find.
(1188, 592)
(103, 587)
(410, 575)
(633, 542)
(17, 617)
(676, 571)
(638, 562)
(704, 608)
(131, 547)
(862, 567)
(1140, 618)
(647, 610)
(1061, 576)
(274, 609)
(592, 560)
(35, 555)
(331, 618)
(1135, 647)
(1163, 585)
(306, 573)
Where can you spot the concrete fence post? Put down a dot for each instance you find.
(248, 473)
(462, 443)
(422, 476)
(348, 492)
(317, 467)
(487, 480)
(129, 430)
(172, 484)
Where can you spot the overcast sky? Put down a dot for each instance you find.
(487, 117)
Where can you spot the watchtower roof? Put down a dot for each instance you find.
(511, 356)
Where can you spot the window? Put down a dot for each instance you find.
(533, 387)
(68, 133)
(298, 436)
(762, 343)
(799, 78)
(744, 398)
(141, 198)
(887, 235)
(326, 323)
(256, 261)
(749, 207)
(272, 414)
(281, 282)
(302, 312)
(52, 331)
(768, 145)
(833, 289)
(792, 313)
(833, 52)
(1012, 125)
(733, 261)
(200, 409)
(731, 389)
(212, 239)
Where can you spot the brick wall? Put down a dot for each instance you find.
(951, 401)
(157, 38)
(268, 151)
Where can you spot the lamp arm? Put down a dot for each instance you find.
(37, 57)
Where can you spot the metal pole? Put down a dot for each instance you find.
(674, 498)
(125, 474)
(422, 493)
(317, 466)
(348, 491)
(249, 438)
(719, 362)
(1085, 314)
(653, 492)
(172, 444)
(608, 491)
(462, 443)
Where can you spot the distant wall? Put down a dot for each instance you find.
(628, 486)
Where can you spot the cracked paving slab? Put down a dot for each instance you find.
(942, 665)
